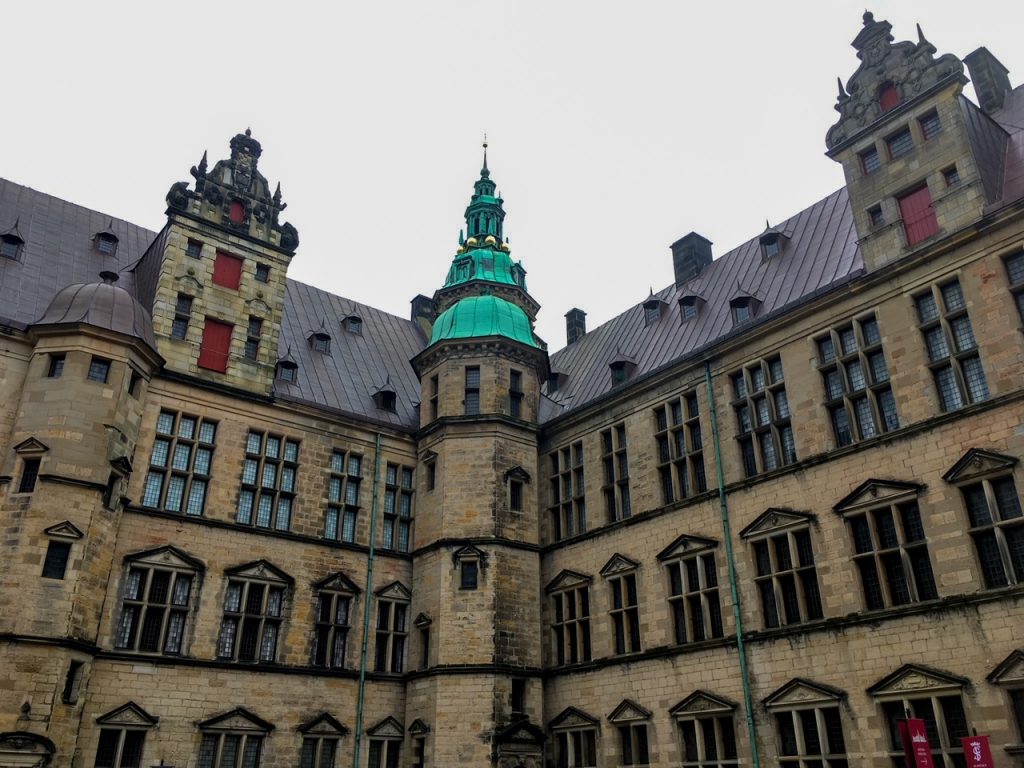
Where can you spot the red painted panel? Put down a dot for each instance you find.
(236, 213)
(888, 98)
(227, 270)
(213, 353)
(919, 220)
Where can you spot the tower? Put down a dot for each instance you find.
(215, 275)
(478, 567)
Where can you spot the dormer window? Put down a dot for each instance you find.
(236, 212)
(652, 311)
(743, 309)
(771, 245)
(385, 400)
(556, 381)
(320, 342)
(888, 96)
(519, 275)
(105, 243)
(688, 307)
(462, 269)
(622, 371)
(287, 371)
(353, 324)
(10, 246)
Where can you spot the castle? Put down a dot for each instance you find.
(754, 520)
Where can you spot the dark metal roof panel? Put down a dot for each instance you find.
(988, 139)
(1011, 118)
(821, 249)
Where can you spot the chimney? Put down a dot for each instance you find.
(991, 79)
(423, 313)
(575, 325)
(690, 254)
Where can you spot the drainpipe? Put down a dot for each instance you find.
(731, 560)
(367, 603)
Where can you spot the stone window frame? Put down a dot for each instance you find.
(788, 588)
(256, 485)
(892, 560)
(196, 443)
(399, 492)
(55, 364)
(434, 396)
(1013, 263)
(516, 395)
(1008, 676)
(262, 273)
(899, 142)
(516, 478)
(802, 711)
(321, 733)
(680, 444)
(929, 124)
(384, 748)
(471, 563)
(576, 738)
(856, 382)
(99, 369)
(344, 480)
(764, 435)
(423, 622)
(983, 470)
(950, 345)
(62, 537)
(704, 719)
(194, 248)
(695, 609)
(129, 722)
(392, 628)
(632, 722)
(253, 336)
(173, 608)
(870, 160)
(419, 731)
(182, 316)
(471, 390)
(245, 731)
(335, 603)
(571, 618)
(615, 472)
(931, 694)
(262, 619)
(31, 452)
(620, 572)
(568, 510)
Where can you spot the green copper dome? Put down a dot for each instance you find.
(479, 316)
(488, 264)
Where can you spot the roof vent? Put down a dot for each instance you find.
(109, 277)
(575, 325)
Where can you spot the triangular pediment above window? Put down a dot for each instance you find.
(1010, 670)
(776, 519)
(801, 692)
(916, 677)
(323, 725)
(619, 564)
(629, 711)
(567, 579)
(396, 590)
(388, 728)
(261, 569)
(517, 473)
(418, 727)
(239, 719)
(65, 530)
(422, 620)
(189, 284)
(428, 456)
(468, 552)
(130, 714)
(258, 307)
(570, 717)
(978, 463)
(702, 703)
(874, 493)
(520, 732)
(337, 582)
(684, 545)
(168, 557)
(30, 447)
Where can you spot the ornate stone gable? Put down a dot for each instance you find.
(166, 557)
(876, 493)
(323, 725)
(629, 711)
(396, 590)
(570, 717)
(703, 703)
(567, 579)
(261, 569)
(338, 582)
(130, 714)
(915, 677)
(800, 691)
(65, 530)
(909, 68)
(978, 462)
(619, 564)
(388, 728)
(239, 719)
(776, 519)
(684, 545)
(30, 446)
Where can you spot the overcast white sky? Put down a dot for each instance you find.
(615, 128)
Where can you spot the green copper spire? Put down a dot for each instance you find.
(485, 215)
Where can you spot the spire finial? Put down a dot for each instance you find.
(842, 91)
(484, 171)
(248, 131)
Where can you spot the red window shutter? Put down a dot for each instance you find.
(213, 353)
(227, 270)
(888, 98)
(919, 220)
(236, 213)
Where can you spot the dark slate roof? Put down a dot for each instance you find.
(821, 252)
(58, 250)
(1011, 118)
(358, 364)
(103, 305)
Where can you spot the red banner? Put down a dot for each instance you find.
(915, 743)
(977, 753)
